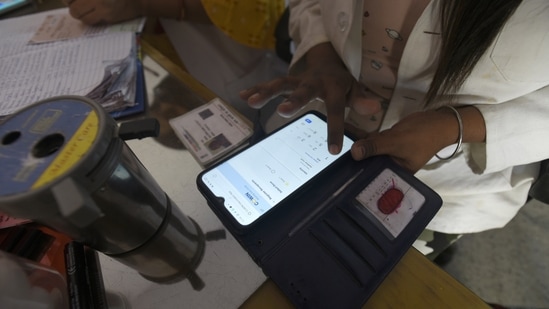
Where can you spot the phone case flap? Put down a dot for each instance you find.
(331, 245)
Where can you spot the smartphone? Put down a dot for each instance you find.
(262, 176)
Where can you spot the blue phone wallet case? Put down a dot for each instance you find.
(332, 243)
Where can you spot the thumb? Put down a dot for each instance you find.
(374, 144)
(364, 148)
(381, 144)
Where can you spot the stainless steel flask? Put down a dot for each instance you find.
(64, 165)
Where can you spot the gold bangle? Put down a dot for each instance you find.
(460, 137)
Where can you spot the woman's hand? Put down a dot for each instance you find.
(326, 78)
(94, 12)
(414, 140)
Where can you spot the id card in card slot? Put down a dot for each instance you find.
(211, 131)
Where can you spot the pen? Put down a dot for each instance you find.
(75, 266)
(95, 279)
(323, 205)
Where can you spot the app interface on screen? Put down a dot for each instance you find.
(261, 176)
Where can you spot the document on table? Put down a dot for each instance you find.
(100, 64)
(59, 25)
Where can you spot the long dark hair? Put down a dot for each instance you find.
(468, 28)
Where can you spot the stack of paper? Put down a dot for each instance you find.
(51, 54)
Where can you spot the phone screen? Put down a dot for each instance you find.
(260, 177)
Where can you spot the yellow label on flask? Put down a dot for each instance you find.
(78, 145)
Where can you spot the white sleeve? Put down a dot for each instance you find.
(517, 133)
(306, 26)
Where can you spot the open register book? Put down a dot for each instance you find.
(49, 54)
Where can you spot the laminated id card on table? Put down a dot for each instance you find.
(325, 228)
(211, 131)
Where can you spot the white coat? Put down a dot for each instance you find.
(487, 183)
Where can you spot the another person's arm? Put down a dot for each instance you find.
(112, 11)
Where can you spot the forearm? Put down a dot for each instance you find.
(191, 10)
(95, 12)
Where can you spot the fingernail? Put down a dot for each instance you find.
(254, 97)
(334, 149)
(285, 101)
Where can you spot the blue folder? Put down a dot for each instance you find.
(10, 5)
(140, 96)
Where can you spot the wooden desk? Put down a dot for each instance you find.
(414, 283)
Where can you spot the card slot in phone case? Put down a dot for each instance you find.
(344, 252)
(362, 222)
(341, 258)
(357, 236)
(305, 270)
(350, 241)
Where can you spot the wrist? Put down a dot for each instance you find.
(448, 134)
(163, 8)
(474, 128)
(457, 125)
(323, 53)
